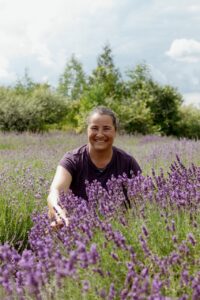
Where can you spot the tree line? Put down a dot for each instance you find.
(142, 105)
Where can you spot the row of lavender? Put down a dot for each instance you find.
(150, 251)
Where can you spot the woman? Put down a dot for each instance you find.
(99, 160)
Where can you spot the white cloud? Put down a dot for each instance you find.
(158, 75)
(192, 98)
(187, 50)
(45, 78)
(5, 73)
(42, 35)
(32, 28)
(194, 8)
(171, 6)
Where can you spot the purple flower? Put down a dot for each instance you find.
(191, 239)
(156, 284)
(145, 231)
(112, 292)
(102, 294)
(85, 286)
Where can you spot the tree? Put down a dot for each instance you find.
(189, 123)
(165, 107)
(73, 80)
(31, 111)
(163, 102)
(25, 85)
(135, 116)
(103, 88)
(106, 74)
(140, 83)
(139, 78)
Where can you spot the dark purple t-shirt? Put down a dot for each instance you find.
(78, 163)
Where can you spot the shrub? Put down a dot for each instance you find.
(32, 112)
(189, 124)
(135, 116)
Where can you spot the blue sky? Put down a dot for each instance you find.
(41, 35)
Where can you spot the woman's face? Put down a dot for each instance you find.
(101, 132)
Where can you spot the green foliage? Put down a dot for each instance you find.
(27, 166)
(161, 103)
(106, 74)
(159, 243)
(11, 111)
(139, 78)
(91, 98)
(135, 116)
(165, 108)
(142, 105)
(104, 88)
(24, 85)
(18, 198)
(31, 111)
(47, 107)
(73, 80)
(15, 219)
(189, 123)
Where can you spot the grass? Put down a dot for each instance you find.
(160, 245)
(27, 166)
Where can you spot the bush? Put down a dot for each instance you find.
(11, 111)
(135, 116)
(31, 112)
(189, 125)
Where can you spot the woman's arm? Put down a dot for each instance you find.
(61, 182)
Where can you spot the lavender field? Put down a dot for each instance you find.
(150, 251)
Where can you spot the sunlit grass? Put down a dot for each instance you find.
(27, 166)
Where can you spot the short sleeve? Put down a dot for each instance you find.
(68, 162)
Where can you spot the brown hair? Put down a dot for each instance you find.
(102, 110)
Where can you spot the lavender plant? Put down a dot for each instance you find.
(150, 251)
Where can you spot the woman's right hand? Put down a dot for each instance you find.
(58, 215)
(61, 182)
(56, 212)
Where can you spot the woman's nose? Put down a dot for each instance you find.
(100, 132)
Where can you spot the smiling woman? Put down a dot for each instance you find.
(101, 134)
(97, 160)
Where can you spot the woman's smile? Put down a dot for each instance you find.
(101, 132)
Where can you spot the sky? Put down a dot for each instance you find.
(41, 35)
